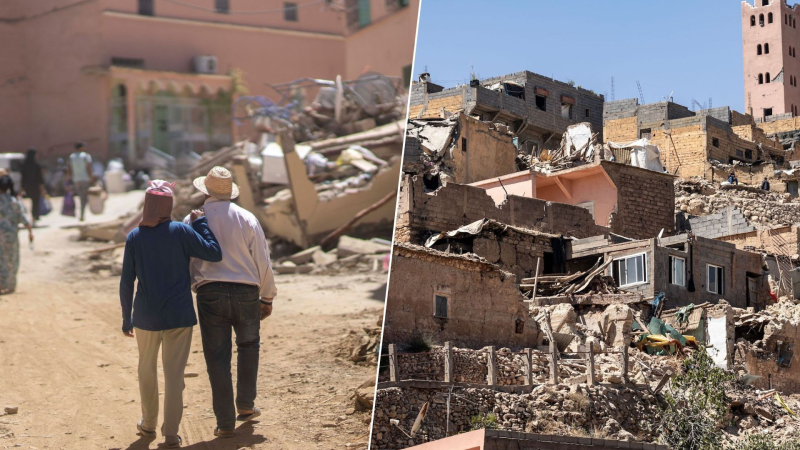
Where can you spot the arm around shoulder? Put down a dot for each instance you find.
(202, 242)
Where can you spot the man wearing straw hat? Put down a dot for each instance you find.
(235, 293)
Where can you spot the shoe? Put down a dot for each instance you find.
(250, 416)
(143, 431)
(224, 433)
(173, 441)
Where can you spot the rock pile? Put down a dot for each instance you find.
(612, 412)
(700, 197)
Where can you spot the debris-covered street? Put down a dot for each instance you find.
(72, 374)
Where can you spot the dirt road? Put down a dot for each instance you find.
(65, 363)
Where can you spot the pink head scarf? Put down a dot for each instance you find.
(157, 203)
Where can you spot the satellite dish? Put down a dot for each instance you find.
(420, 416)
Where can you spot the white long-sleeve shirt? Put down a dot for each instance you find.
(245, 253)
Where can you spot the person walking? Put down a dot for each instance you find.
(33, 183)
(11, 216)
(158, 253)
(232, 295)
(79, 172)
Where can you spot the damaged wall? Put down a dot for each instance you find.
(481, 152)
(483, 302)
(421, 213)
(645, 201)
(738, 267)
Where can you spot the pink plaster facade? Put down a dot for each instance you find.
(472, 440)
(588, 186)
(59, 85)
(781, 94)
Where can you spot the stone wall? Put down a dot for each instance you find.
(484, 303)
(514, 252)
(421, 213)
(584, 409)
(786, 243)
(773, 376)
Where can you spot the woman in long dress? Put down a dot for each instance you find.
(11, 216)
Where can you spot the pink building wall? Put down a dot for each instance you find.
(573, 187)
(781, 34)
(473, 440)
(57, 96)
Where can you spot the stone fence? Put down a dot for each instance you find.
(501, 367)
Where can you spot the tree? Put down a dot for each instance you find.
(695, 405)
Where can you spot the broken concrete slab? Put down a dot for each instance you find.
(349, 246)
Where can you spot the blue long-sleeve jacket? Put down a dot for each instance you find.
(159, 257)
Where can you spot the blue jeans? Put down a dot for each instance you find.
(222, 307)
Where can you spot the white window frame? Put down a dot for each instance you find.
(721, 286)
(445, 295)
(644, 268)
(672, 259)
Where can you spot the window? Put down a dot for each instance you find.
(645, 133)
(677, 273)
(758, 49)
(566, 111)
(464, 144)
(715, 142)
(769, 18)
(766, 77)
(440, 305)
(752, 21)
(587, 112)
(222, 6)
(630, 270)
(785, 19)
(146, 8)
(364, 15)
(740, 153)
(136, 63)
(761, 19)
(748, 154)
(766, 49)
(764, 2)
(290, 12)
(760, 78)
(767, 112)
(541, 102)
(519, 326)
(716, 279)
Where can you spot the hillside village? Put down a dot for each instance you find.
(561, 262)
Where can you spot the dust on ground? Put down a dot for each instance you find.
(65, 363)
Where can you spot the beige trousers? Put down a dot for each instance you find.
(175, 345)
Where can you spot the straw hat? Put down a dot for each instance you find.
(218, 184)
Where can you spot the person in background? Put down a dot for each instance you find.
(765, 185)
(732, 179)
(11, 216)
(157, 253)
(33, 183)
(79, 172)
(232, 295)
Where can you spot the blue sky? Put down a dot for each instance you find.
(693, 48)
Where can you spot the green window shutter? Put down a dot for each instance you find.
(364, 16)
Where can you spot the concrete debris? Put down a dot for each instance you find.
(352, 254)
(581, 282)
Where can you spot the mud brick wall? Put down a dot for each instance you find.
(645, 201)
(686, 152)
(514, 252)
(780, 126)
(761, 240)
(621, 130)
(484, 303)
(784, 379)
(422, 213)
(489, 153)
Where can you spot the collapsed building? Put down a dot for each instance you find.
(705, 143)
(536, 108)
(546, 288)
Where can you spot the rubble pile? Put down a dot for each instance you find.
(700, 197)
(361, 347)
(599, 411)
(351, 254)
(580, 282)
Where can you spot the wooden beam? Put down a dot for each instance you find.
(561, 186)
